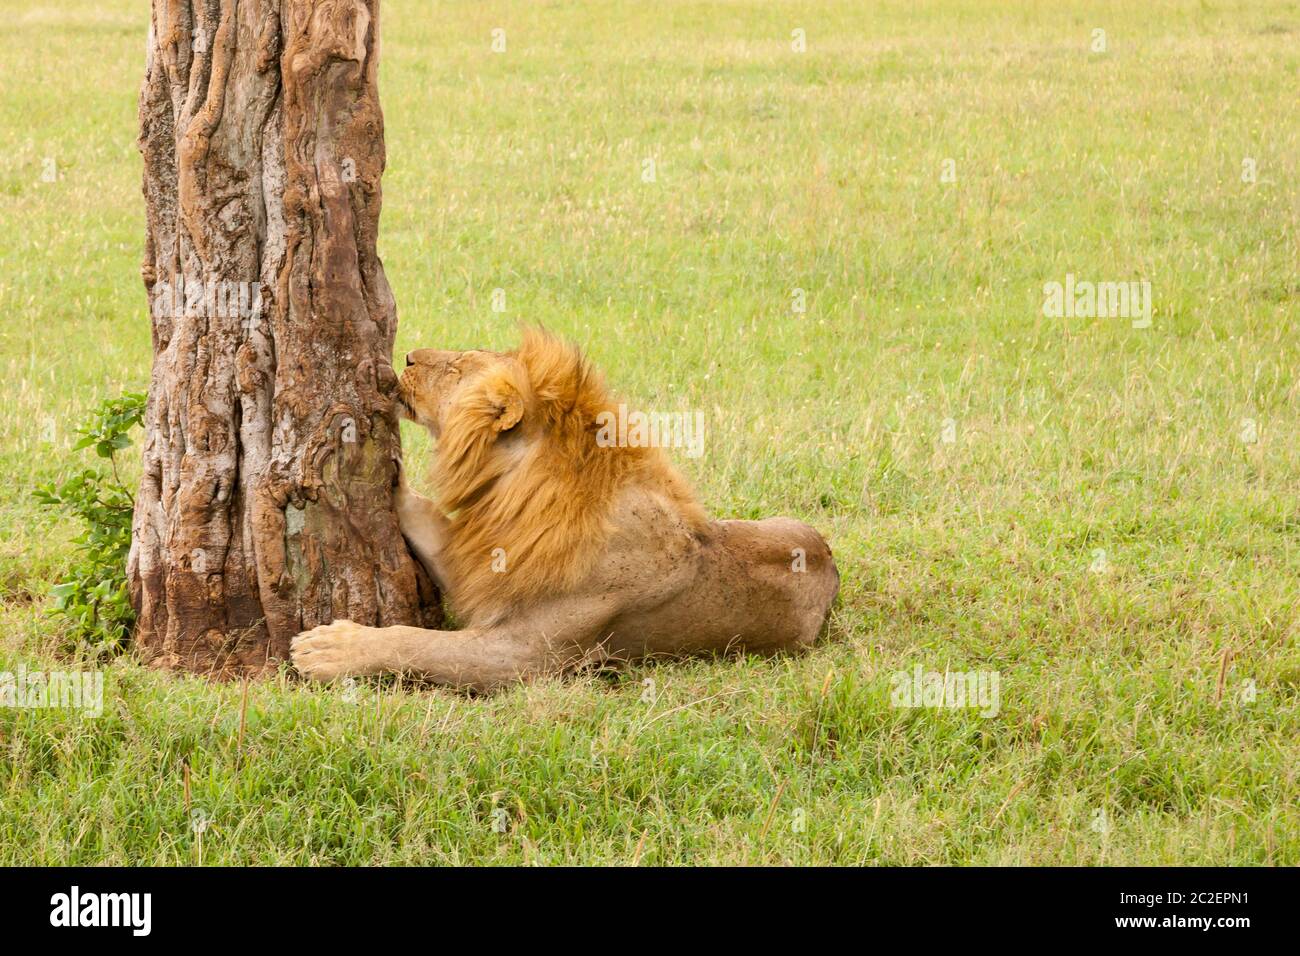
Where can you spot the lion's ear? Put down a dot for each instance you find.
(512, 409)
(507, 402)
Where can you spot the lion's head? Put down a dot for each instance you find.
(518, 470)
(434, 380)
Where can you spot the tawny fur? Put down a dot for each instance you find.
(557, 549)
(548, 512)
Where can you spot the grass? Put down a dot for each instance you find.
(1113, 528)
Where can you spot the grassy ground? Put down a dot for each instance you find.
(1108, 519)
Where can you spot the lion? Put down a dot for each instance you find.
(559, 548)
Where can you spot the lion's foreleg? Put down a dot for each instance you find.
(477, 659)
(425, 529)
(547, 641)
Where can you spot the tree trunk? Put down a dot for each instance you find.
(265, 505)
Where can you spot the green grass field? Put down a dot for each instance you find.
(1108, 517)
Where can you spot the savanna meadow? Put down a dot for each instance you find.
(1002, 298)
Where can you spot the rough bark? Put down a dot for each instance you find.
(271, 444)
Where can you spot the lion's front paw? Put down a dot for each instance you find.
(333, 650)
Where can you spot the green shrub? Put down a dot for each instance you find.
(93, 598)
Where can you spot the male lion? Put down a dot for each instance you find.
(556, 549)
